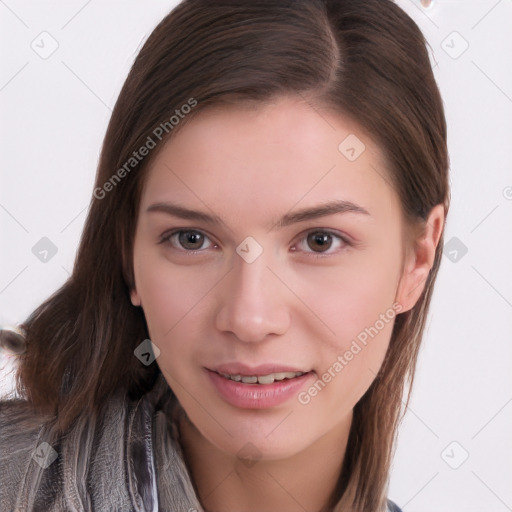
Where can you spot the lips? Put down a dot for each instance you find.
(253, 394)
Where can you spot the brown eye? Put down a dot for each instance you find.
(319, 241)
(191, 240)
(188, 241)
(322, 243)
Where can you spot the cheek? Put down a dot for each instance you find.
(352, 295)
(170, 295)
(359, 309)
(355, 302)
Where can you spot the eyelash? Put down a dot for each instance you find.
(166, 238)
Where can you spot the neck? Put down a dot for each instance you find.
(304, 481)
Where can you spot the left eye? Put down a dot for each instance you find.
(321, 242)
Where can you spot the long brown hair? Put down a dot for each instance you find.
(365, 59)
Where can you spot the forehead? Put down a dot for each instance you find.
(269, 157)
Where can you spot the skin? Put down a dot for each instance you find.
(294, 305)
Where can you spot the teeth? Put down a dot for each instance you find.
(266, 379)
(262, 379)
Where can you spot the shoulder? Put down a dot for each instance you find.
(20, 429)
(392, 507)
(41, 469)
(109, 454)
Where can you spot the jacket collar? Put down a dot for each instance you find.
(158, 461)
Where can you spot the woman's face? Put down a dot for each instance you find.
(269, 240)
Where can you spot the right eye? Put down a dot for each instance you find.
(189, 240)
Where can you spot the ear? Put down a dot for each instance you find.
(135, 298)
(419, 260)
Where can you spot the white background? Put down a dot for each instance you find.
(54, 113)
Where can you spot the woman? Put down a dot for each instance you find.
(252, 283)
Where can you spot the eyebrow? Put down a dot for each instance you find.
(323, 210)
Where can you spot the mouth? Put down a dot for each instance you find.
(261, 387)
(261, 379)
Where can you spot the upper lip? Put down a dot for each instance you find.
(260, 370)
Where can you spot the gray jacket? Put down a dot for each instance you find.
(116, 469)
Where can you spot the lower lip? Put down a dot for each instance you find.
(257, 396)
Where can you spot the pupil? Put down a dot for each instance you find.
(322, 241)
(191, 239)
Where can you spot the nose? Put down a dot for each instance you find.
(253, 302)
